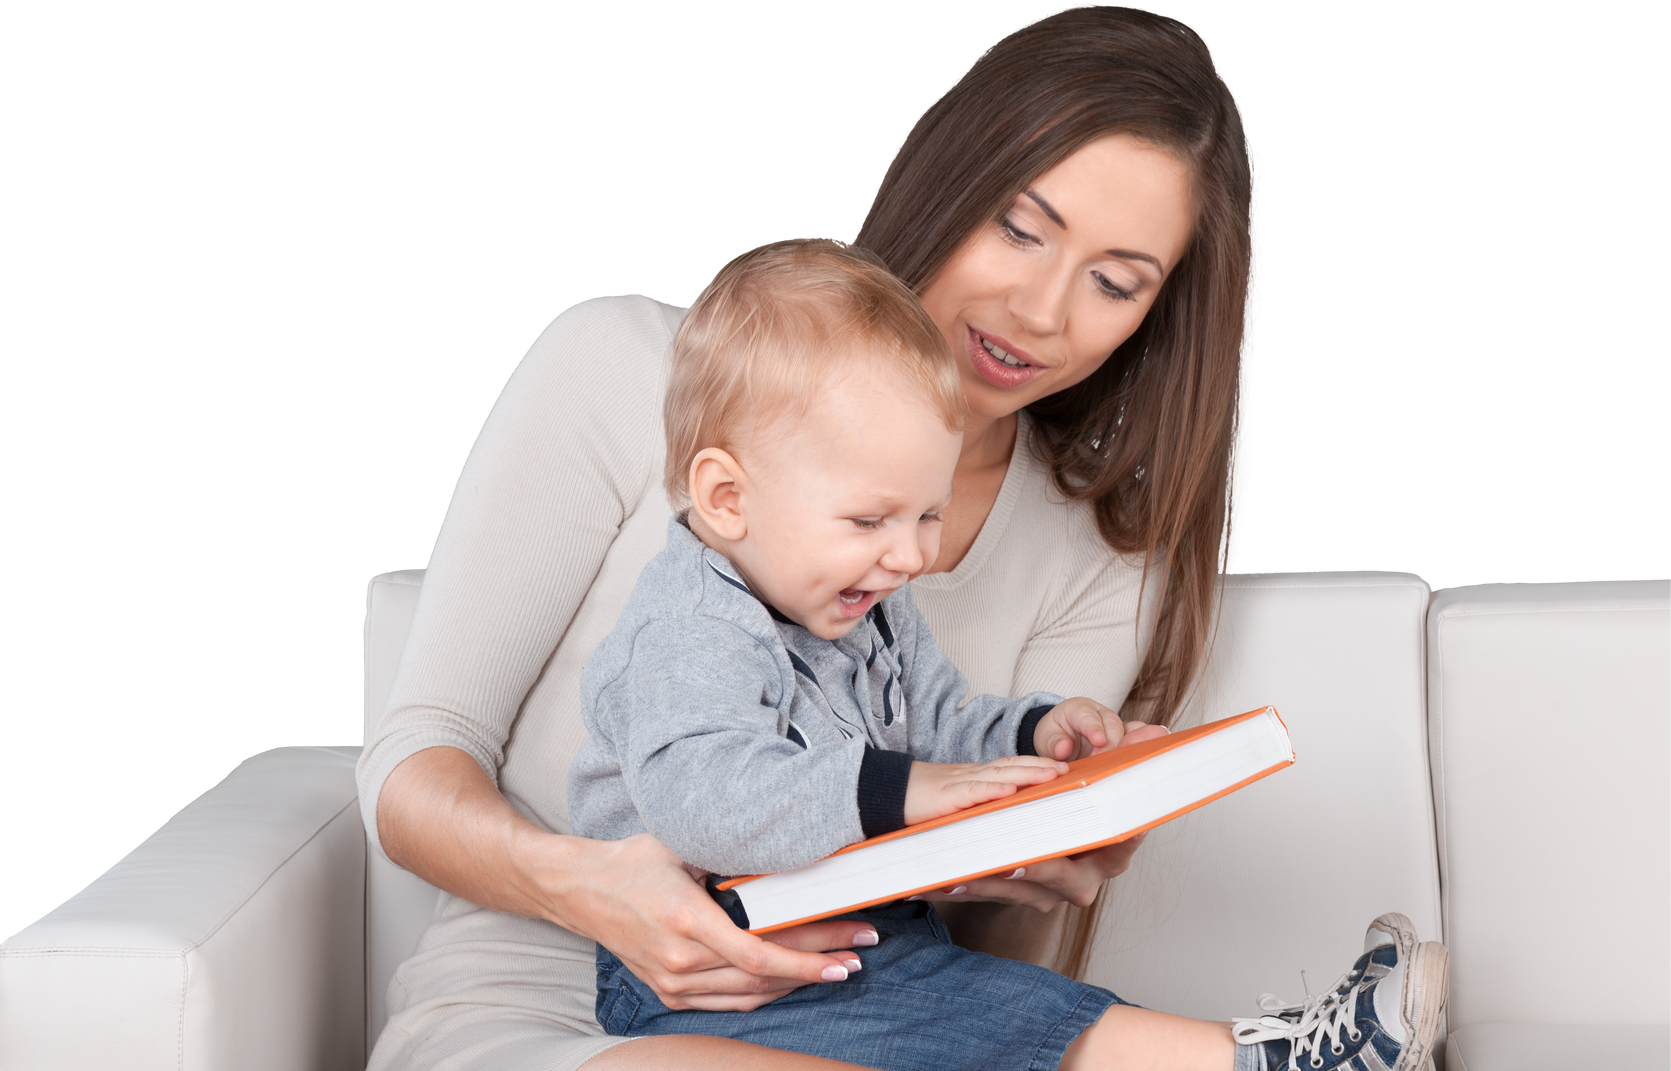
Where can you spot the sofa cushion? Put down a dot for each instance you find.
(1550, 708)
(1238, 898)
(399, 904)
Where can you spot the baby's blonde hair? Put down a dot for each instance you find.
(775, 327)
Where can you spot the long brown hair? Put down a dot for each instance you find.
(1146, 438)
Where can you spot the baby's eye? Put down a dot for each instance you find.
(867, 522)
(931, 517)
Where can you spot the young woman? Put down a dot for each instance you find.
(1074, 216)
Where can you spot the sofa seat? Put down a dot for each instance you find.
(1533, 1047)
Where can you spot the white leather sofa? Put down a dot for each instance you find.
(1493, 761)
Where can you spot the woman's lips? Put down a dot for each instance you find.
(993, 370)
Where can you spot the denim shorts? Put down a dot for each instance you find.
(920, 1004)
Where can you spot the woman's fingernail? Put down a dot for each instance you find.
(867, 937)
(908, 899)
(834, 974)
(852, 964)
(959, 890)
(1020, 872)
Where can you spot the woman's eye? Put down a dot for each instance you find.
(867, 522)
(1013, 234)
(1114, 291)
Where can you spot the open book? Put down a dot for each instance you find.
(1100, 800)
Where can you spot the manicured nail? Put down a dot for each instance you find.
(1020, 872)
(960, 889)
(867, 937)
(853, 964)
(908, 899)
(834, 974)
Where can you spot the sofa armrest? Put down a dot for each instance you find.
(233, 937)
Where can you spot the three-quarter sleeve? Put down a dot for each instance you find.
(567, 451)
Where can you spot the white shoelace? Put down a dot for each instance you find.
(1317, 1018)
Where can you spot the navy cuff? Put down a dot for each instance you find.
(883, 776)
(1024, 734)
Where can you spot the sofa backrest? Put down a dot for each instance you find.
(399, 904)
(1550, 722)
(1544, 711)
(1239, 897)
(1236, 899)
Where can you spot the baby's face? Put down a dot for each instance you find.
(844, 506)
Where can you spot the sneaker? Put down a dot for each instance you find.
(1382, 1015)
(1392, 928)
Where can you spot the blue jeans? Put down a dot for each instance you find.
(920, 1004)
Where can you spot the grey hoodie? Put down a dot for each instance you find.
(745, 743)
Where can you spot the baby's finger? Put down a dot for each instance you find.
(968, 794)
(1023, 770)
(1056, 742)
(1087, 719)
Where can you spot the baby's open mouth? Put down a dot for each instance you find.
(855, 601)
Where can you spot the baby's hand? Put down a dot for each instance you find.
(939, 788)
(1075, 728)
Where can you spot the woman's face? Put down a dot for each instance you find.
(1035, 300)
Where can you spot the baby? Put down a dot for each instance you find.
(771, 694)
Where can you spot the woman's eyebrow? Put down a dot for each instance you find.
(1055, 217)
(1118, 254)
(1127, 254)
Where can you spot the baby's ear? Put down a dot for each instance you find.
(716, 482)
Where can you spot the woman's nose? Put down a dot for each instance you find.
(1039, 301)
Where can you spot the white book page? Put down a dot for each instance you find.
(1057, 824)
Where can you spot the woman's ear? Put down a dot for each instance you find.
(717, 482)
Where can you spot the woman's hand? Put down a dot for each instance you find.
(1074, 879)
(650, 909)
(1041, 886)
(442, 818)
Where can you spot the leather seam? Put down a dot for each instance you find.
(121, 953)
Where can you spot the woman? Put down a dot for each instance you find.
(1074, 215)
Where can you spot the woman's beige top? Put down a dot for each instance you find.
(559, 507)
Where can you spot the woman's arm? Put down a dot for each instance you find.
(441, 818)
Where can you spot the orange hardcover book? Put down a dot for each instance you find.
(1100, 800)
